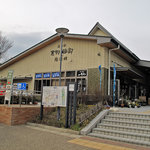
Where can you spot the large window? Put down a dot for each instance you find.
(37, 86)
(52, 79)
(70, 74)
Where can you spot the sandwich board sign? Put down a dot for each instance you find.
(9, 86)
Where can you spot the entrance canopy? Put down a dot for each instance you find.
(128, 72)
(144, 65)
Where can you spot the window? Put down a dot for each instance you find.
(70, 73)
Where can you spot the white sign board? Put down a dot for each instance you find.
(9, 86)
(8, 92)
(71, 87)
(54, 96)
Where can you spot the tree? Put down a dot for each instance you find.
(5, 45)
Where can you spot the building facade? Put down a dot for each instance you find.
(82, 55)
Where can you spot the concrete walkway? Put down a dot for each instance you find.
(27, 137)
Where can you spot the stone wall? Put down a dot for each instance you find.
(5, 115)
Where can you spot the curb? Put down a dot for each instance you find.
(86, 130)
(53, 129)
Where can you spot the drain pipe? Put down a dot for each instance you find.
(109, 63)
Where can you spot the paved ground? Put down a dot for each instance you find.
(33, 138)
(24, 138)
(141, 110)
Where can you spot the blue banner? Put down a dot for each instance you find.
(38, 75)
(114, 85)
(100, 70)
(55, 74)
(46, 75)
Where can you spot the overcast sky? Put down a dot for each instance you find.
(27, 22)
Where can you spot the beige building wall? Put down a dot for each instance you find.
(118, 61)
(115, 59)
(100, 33)
(80, 55)
(85, 54)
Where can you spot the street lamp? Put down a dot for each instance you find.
(62, 32)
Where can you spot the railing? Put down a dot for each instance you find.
(18, 96)
(90, 112)
(16, 92)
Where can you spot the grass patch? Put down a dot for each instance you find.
(51, 118)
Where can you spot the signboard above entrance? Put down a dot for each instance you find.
(46, 75)
(81, 73)
(55, 74)
(38, 75)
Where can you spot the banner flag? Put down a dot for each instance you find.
(100, 70)
(114, 85)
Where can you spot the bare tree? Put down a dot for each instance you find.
(5, 44)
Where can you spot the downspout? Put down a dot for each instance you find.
(109, 63)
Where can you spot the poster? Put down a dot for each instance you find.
(54, 96)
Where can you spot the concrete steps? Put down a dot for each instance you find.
(134, 115)
(128, 119)
(125, 127)
(127, 140)
(124, 123)
(122, 134)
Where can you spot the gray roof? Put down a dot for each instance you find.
(124, 48)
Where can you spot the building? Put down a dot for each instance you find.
(82, 55)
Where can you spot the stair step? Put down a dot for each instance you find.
(135, 115)
(122, 134)
(133, 141)
(120, 118)
(125, 123)
(124, 128)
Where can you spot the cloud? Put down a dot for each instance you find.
(23, 41)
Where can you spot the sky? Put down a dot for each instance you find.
(27, 22)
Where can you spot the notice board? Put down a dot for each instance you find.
(54, 96)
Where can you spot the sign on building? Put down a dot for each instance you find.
(46, 75)
(55, 74)
(9, 86)
(21, 86)
(54, 96)
(38, 75)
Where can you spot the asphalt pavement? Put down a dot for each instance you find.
(25, 138)
(40, 137)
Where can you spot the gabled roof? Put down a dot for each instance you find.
(98, 26)
(46, 42)
(110, 39)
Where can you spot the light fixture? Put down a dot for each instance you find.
(61, 31)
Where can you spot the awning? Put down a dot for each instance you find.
(125, 71)
(17, 78)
